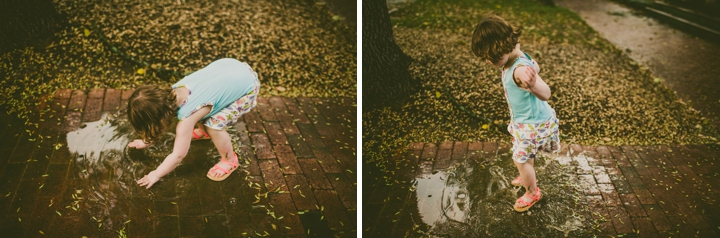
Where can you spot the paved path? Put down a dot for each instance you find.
(301, 163)
(654, 190)
(688, 65)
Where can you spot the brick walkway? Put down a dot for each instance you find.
(653, 190)
(302, 162)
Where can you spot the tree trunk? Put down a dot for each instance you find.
(385, 76)
(27, 23)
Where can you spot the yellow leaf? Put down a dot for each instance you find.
(141, 71)
(437, 94)
(485, 127)
(87, 32)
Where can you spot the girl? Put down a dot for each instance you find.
(204, 102)
(533, 124)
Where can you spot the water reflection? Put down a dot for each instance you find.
(474, 198)
(104, 171)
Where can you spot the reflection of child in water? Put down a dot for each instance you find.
(533, 124)
(204, 103)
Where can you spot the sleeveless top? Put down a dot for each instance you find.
(219, 84)
(524, 106)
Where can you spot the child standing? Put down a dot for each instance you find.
(204, 103)
(533, 123)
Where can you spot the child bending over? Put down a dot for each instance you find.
(205, 103)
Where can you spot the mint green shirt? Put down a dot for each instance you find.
(524, 106)
(219, 84)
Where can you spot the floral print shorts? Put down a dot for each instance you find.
(232, 113)
(528, 139)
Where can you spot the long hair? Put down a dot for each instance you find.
(493, 38)
(150, 111)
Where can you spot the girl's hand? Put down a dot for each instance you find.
(531, 77)
(148, 180)
(138, 144)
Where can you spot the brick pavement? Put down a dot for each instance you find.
(645, 191)
(301, 163)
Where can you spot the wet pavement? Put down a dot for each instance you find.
(460, 189)
(297, 176)
(688, 65)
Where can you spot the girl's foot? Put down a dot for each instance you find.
(527, 200)
(518, 182)
(223, 169)
(199, 135)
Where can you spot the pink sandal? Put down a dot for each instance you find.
(525, 204)
(518, 182)
(233, 165)
(198, 136)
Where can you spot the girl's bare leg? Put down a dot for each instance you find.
(527, 176)
(222, 142)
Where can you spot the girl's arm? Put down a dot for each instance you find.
(532, 81)
(182, 145)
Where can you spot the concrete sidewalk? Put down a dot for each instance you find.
(299, 179)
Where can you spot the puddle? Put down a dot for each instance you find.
(475, 198)
(104, 171)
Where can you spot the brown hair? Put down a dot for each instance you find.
(150, 111)
(493, 38)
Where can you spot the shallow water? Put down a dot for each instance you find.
(474, 198)
(104, 171)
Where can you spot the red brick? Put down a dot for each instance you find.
(620, 220)
(112, 100)
(475, 146)
(632, 205)
(323, 127)
(283, 206)
(597, 207)
(272, 176)
(63, 93)
(307, 105)
(490, 148)
(644, 196)
(328, 163)
(77, 100)
(263, 108)
(314, 174)
(275, 132)
(416, 146)
(576, 149)
(287, 123)
(253, 122)
(93, 109)
(333, 210)
(429, 151)
(442, 160)
(600, 175)
(619, 156)
(446, 145)
(459, 150)
(583, 167)
(424, 167)
(657, 217)
(301, 192)
(311, 136)
(96, 93)
(690, 212)
(263, 149)
(644, 226)
(588, 184)
(288, 161)
(681, 225)
(345, 190)
(609, 195)
(644, 152)
(297, 113)
(126, 94)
